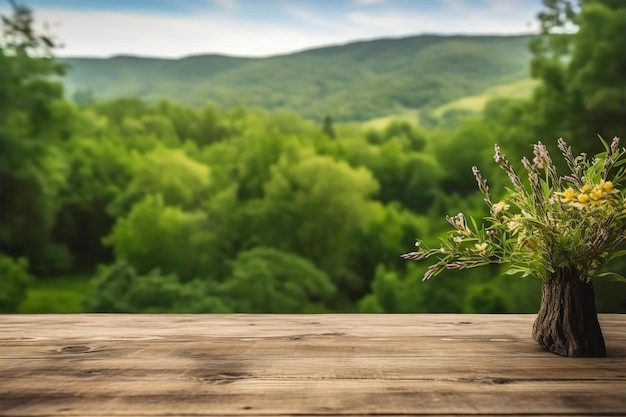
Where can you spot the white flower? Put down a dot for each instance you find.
(481, 247)
(498, 207)
(514, 223)
(460, 224)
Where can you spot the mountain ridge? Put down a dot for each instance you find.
(352, 82)
(296, 52)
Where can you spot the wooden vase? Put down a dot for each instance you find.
(567, 322)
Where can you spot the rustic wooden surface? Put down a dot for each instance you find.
(193, 365)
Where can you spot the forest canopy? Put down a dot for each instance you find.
(148, 204)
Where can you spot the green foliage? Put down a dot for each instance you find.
(470, 144)
(390, 294)
(33, 121)
(266, 280)
(155, 235)
(181, 181)
(327, 127)
(259, 209)
(120, 289)
(581, 91)
(485, 298)
(397, 292)
(98, 172)
(380, 243)
(316, 206)
(395, 156)
(14, 283)
(60, 294)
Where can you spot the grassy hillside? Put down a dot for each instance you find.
(407, 116)
(476, 103)
(357, 81)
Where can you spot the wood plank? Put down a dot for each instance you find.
(309, 347)
(312, 396)
(132, 327)
(498, 370)
(300, 365)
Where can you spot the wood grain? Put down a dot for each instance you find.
(165, 365)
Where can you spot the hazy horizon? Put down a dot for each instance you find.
(262, 28)
(347, 43)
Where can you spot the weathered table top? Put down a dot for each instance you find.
(193, 365)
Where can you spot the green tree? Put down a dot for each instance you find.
(581, 93)
(327, 127)
(386, 292)
(33, 121)
(161, 128)
(397, 292)
(211, 127)
(180, 180)
(470, 145)
(411, 137)
(485, 298)
(120, 289)
(13, 284)
(405, 176)
(391, 229)
(99, 171)
(315, 206)
(184, 120)
(579, 64)
(157, 236)
(266, 280)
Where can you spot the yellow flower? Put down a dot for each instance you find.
(583, 198)
(596, 195)
(606, 186)
(569, 194)
(585, 188)
(499, 206)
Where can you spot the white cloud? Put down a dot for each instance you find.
(308, 17)
(99, 33)
(395, 23)
(501, 7)
(106, 33)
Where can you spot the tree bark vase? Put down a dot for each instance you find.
(567, 322)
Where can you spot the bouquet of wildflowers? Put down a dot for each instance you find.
(562, 229)
(576, 221)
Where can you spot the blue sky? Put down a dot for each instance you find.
(175, 28)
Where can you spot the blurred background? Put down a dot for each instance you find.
(279, 156)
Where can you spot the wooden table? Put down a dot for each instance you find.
(193, 365)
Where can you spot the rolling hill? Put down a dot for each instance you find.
(353, 82)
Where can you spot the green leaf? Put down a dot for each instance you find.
(612, 276)
(620, 163)
(476, 230)
(618, 254)
(518, 270)
(606, 146)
